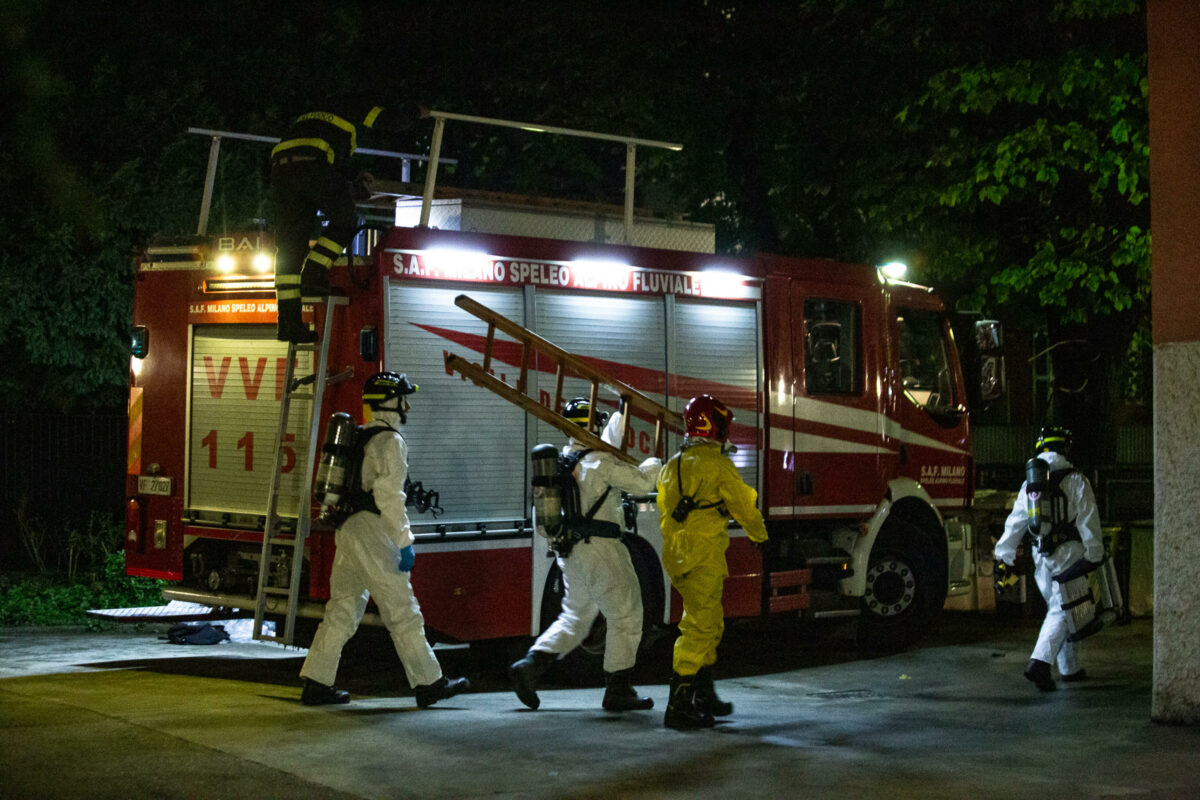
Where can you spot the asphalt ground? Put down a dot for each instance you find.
(125, 714)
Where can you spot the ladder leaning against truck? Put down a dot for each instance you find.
(849, 400)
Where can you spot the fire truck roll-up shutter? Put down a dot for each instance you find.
(465, 443)
(622, 336)
(237, 375)
(716, 353)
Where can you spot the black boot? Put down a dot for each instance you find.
(1039, 673)
(290, 325)
(526, 672)
(440, 689)
(706, 695)
(318, 694)
(619, 694)
(682, 713)
(314, 280)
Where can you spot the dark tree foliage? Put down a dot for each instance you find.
(998, 147)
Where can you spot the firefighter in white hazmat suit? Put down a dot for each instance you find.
(598, 575)
(374, 559)
(1077, 536)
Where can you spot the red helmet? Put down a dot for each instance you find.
(708, 418)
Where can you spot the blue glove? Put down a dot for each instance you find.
(407, 558)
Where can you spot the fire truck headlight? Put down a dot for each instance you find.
(225, 263)
(262, 262)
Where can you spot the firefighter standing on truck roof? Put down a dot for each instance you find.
(1060, 545)
(698, 490)
(375, 558)
(598, 574)
(310, 172)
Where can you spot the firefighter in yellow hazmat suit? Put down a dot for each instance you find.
(698, 490)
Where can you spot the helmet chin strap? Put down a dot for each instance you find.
(391, 412)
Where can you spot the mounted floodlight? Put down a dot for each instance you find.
(262, 261)
(597, 265)
(721, 283)
(453, 262)
(896, 270)
(602, 274)
(225, 263)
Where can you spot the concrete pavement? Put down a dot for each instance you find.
(128, 715)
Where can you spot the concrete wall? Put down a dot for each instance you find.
(1174, 80)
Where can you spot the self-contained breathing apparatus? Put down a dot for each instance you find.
(1048, 525)
(1046, 504)
(338, 487)
(556, 501)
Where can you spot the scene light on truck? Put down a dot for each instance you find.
(455, 261)
(721, 283)
(894, 270)
(600, 274)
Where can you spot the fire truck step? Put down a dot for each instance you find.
(828, 604)
(789, 590)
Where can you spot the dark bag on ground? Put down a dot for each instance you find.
(197, 633)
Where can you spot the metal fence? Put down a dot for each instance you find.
(1122, 474)
(62, 467)
(1010, 444)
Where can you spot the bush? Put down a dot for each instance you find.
(54, 600)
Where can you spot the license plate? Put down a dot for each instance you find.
(154, 484)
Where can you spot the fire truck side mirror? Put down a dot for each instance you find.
(991, 378)
(989, 335)
(989, 339)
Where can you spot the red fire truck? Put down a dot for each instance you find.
(848, 395)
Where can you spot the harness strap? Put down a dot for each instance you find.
(719, 504)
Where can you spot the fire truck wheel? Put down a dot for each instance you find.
(905, 590)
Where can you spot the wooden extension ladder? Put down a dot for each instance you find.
(279, 577)
(566, 364)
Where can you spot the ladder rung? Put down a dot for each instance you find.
(275, 535)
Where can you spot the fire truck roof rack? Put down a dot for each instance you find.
(214, 153)
(565, 362)
(631, 144)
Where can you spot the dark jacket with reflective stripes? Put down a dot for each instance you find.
(331, 133)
